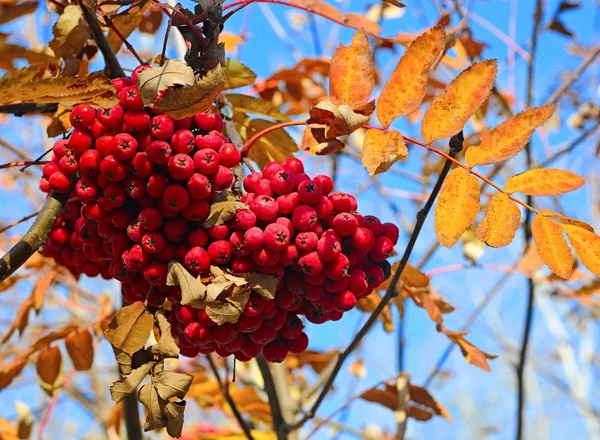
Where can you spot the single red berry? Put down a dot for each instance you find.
(293, 164)
(374, 224)
(182, 141)
(357, 283)
(113, 169)
(343, 202)
(136, 121)
(205, 319)
(306, 241)
(59, 182)
(49, 169)
(240, 264)
(344, 300)
(325, 182)
(392, 232)
(276, 236)
(80, 140)
(263, 188)
(122, 217)
(287, 223)
(98, 129)
(136, 72)
(106, 145)
(264, 334)
(264, 207)
(156, 274)
(153, 242)
(250, 181)
(151, 219)
(375, 275)
(205, 120)
(129, 98)
(335, 286)
(298, 345)
(82, 116)
(176, 197)
(338, 268)
(244, 219)
(220, 251)
(254, 238)
(254, 306)
(313, 293)
(159, 152)
(90, 162)
(304, 217)
(248, 324)
(301, 178)
(199, 186)
(111, 117)
(275, 351)
(206, 161)
(196, 211)
(184, 124)
(270, 169)
(323, 208)
(310, 192)
(282, 181)
(382, 249)
(68, 165)
(119, 83)
(176, 230)
(181, 166)
(229, 155)
(310, 263)
(222, 179)
(197, 260)
(157, 184)
(136, 258)
(224, 333)
(289, 255)
(185, 314)
(126, 146)
(363, 239)
(162, 127)
(286, 203)
(250, 348)
(265, 257)
(199, 237)
(115, 195)
(345, 224)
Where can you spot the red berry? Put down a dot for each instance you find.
(151, 219)
(251, 180)
(111, 117)
(176, 230)
(265, 208)
(363, 239)
(282, 181)
(176, 197)
(265, 257)
(293, 164)
(270, 169)
(119, 83)
(344, 300)
(61, 147)
(153, 242)
(68, 164)
(292, 327)
(156, 274)
(275, 351)
(126, 146)
(129, 98)
(264, 334)
(136, 120)
(157, 184)
(80, 140)
(310, 263)
(59, 182)
(298, 345)
(289, 255)
(184, 124)
(375, 275)
(106, 145)
(197, 260)
(313, 293)
(342, 202)
(248, 323)
(181, 166)
(287, 223)
(276, 236)
(196, 211)
(136, 72)
(113, 169)
(199, 186)
(310, 192)
(374, 224)
(306, 241)
(345, 224)
(224, 333)
(357, 282)
(286, 203)
(244, 219)
(325, 182)
(206, 161)
(382, 249)
(242, 264)
(90, 162)
(254, 238)
(304, 217)
(220, 251)
(392, 232)
(205, 120)
(199, 237)
(82, 116)
(162, 127)
(222, 179)
(338, 268)
(219, 232)
(263, 188)
(229, 155)
(159, 152)
(254, 306)
(182, 141)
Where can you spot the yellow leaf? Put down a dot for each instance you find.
(351, 73)
(552, 246)
(237, 75)
(457, 206)
(126, 22)
(587, 247)
(405, 89)
(500, 222)
(567, 220)
(544, 182)
(70, 32)
(329, 121)
(250, 104)
(509, 138)
(151, 82)
(381, 150)
(232, 41)
(275, 146)
(451, 109)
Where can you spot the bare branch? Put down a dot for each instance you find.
(27, 108)
(278, 421)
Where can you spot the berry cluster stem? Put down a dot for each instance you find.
(22, 163)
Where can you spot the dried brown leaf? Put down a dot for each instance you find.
(128, 384)
(263, 284)
(48, 366)
(171, 384)
(80, 346)
(41, 287)
(130, 328)
(222, 212)
(151, 82)
(70, 31)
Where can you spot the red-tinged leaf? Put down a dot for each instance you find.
(40, 289)
(405, 89)
(509, 138)
(421, 396)
(381, 150)
(500, 223)
(54, 335)
(544, 182)
(451, 109)
(80, 346)
(552, 246)
(352, 74)
(434, 312)
(587, 247)
(457, 206)
(387, 398)
(130, 328)
(329, 121)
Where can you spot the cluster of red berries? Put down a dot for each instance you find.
(144, 183)
(324, 253)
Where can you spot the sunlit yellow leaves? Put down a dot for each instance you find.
(237, 75)
(500, 222)
(70, 32)
(451, 109)
(587, 247)
(457, 206)
(509, 138)
(405, 89)
(352, 73)
(544, 182)
(381, 150)
(275, 146)
(567, 220)
(329, 121)
(249, 104)
(552, 246)
(126, 22)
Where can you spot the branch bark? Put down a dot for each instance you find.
(279, 424)
(27, 108)
(391, 293)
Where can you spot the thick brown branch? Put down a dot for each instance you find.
(278, 421)
(28, 108)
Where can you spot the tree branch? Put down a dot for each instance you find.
(27, 108)
(131, 416)
(279, 424)
(229, 399)
(455, 148)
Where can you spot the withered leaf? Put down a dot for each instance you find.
(39, 290)
(20, 321)
(70, 32)
(148, 396)
(80, 346)
(336, 120)
(174, 413)
(183, 102)
(229, 310)
(222, 212)
(124, 360)
(472, 354)
(49, 365)
(130, 328)
(127, 385)
(152, 81)
(193, 292)
(172, 384)
(46, 339)
(13, 11)
(125, 22)
(237, 75)
(24, 420)
(11, 370)
(166, 347)
(263, 284)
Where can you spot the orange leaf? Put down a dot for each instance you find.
(387, 397)
(587, 247)
(80, 347)
(40, 289)
(544, 182)
(48, 365)
(472, 354)
(457, 206)
(405, 89)
(567, 220)
(352, 73)
(381, 150)
(552, 246)
(20, 321)
(500, 222)
(450, 110)
(509, 138)
(11, 370)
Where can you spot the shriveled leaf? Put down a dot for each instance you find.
(148, 396)
(60, 123)
(9, 12)
(40, 289)
(352, 73)
(10, 53)
(263, 284)
(472, 354)
(331, 121)
(193, 292)
(451, 109)
(171, 384)
(222, 212)
(552, 246)
(421, 396)
(152, 81)
(457, 206)
(567, 220)
(20, 321)
(173, 412)
(500, 223)
(126, 22)
(54, 335)
(249, 104)
(586, 245)
(123, 360)
(130, 328)
(49, 365)
(509, 138)
(381, 150)
(237, 75)
(70, 32)
(183, 102)
(128, 384)
(405, 89)
(370, 303)
(10, 370)
(228, 310)
(413, 277)
(80, 346)
(544, 182)
(387, 397)
(166, 347)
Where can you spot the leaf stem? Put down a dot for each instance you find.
(268, 130)
(22, 163)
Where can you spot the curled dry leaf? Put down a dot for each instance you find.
(128, 384)
(586, 245)
(54, 335)
(70, 32)
(509, 138)
(472, 354)
(174, 414)
(148, 396)
(456, 207)
(330, 121)
(352, 73)
(20, 321)
(170, 384)
(193, 292)
(10, 370)
(186, 101)
(381, 150)
(552, 246)
(237, 75)
(80, 346)
(48, 367)
(451, 109)
(228, 310)
(405, 89)
(41, 287)
(222, 212)
(151, 82)
(500, 223)
(263, 284)
(544, 182)
(166, 347)
(130, 328)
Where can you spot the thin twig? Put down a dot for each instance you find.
(18, 222)
(22, 163)
(582, 137)
(455, 147)
(229, 399)
(267, 130)
(278, 422)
